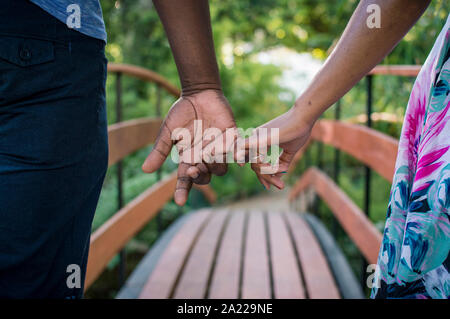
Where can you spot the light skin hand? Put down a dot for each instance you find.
(358, 51)
(294, 132)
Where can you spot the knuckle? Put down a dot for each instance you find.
(221, 170)
(184, 179)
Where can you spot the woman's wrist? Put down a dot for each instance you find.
(305, 111)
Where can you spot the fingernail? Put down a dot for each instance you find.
(283, 172)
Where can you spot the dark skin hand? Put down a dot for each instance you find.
(188, 28)
(212, 108)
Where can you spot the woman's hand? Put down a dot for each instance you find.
(294, 131)
(359, 49)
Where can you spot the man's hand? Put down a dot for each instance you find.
(212, 109)
(188, 27)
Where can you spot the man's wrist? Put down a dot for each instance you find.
(198, 88)
(207, 98)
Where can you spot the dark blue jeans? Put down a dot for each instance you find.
(53, 151)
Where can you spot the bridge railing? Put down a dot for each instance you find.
(124, 139)
(376, 150)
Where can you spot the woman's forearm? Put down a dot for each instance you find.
(188, 28)
(359, 50)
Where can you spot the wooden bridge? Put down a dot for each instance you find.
(268, 247)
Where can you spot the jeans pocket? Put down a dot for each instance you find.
(31, 68)
(26, 52)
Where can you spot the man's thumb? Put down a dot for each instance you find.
(160, 151)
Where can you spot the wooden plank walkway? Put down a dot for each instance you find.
(231, 254)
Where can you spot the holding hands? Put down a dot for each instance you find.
(188, 27)
(202, 154)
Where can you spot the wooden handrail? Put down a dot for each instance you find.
(207, 191)
(359, 228)
(113, 235)
(399, 70)
(375, 117)
(145, 75)
(151, 76)
(124, 139)
(127, 137)
(373, 148)
(388, 143)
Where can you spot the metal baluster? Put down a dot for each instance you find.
(159, 225)
(319, 159)
(320, 155)
(368, 174)
(120, 201)
(307, 158)
(337, 164)
(158, 100)
(307, 165)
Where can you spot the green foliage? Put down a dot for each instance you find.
(241, 30)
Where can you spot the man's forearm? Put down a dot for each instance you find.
(359, 50)
(188, 27)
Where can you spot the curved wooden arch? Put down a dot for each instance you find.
(145, 75)
(356, 224)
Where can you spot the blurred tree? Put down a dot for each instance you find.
(242, 29)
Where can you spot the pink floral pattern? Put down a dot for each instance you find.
(414, 257)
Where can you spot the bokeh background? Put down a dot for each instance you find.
(267, 51)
